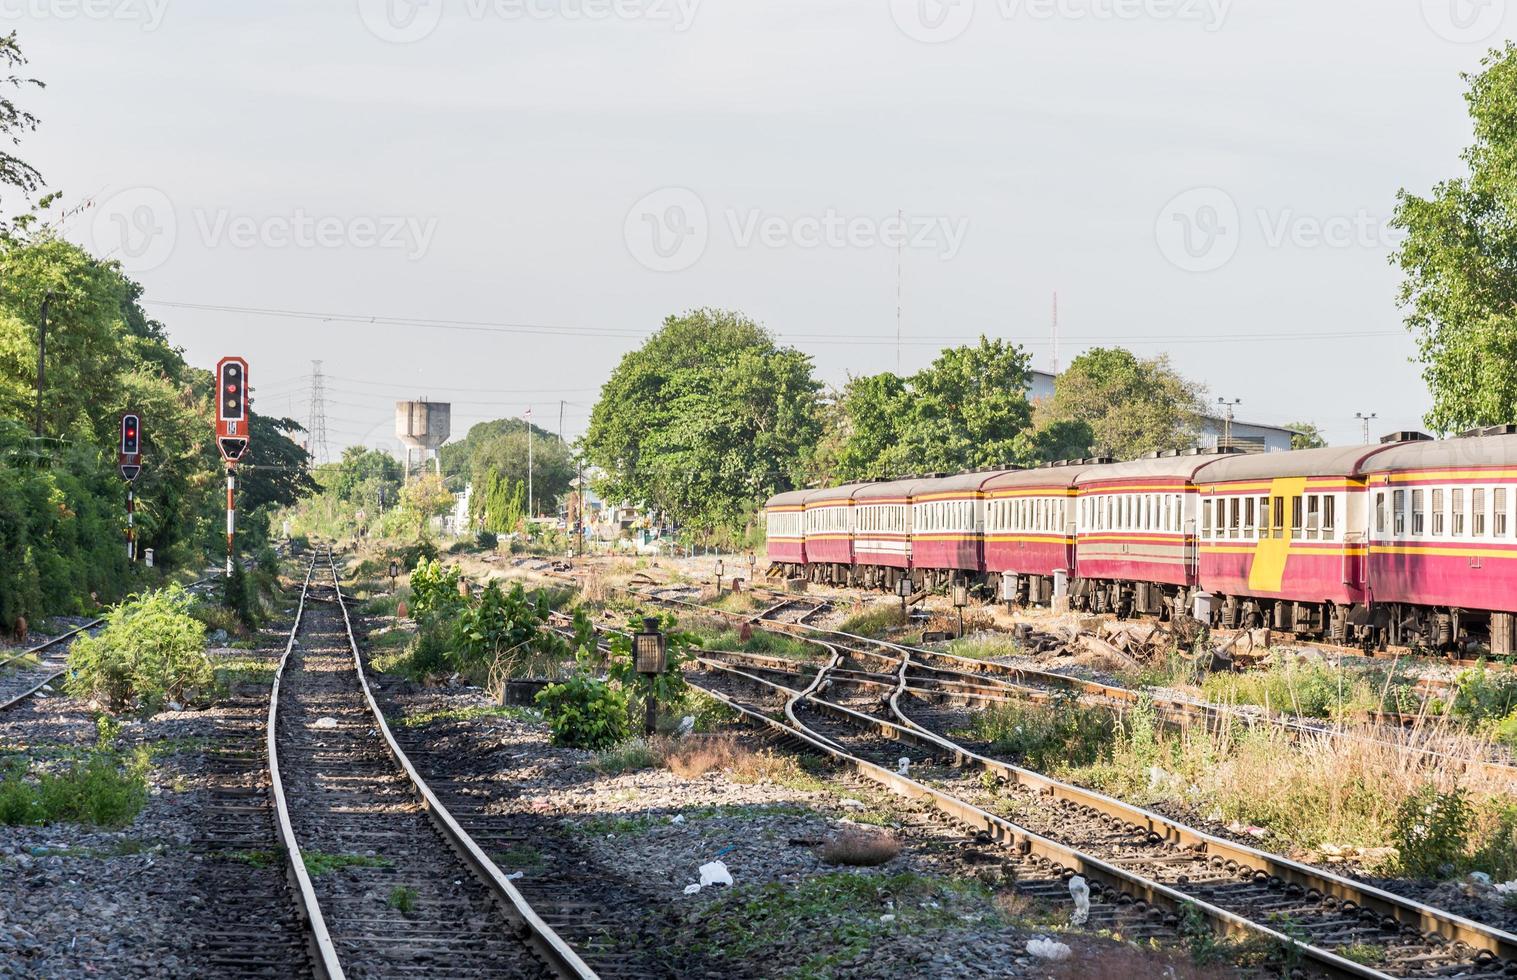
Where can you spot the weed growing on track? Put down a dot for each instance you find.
(1043, 736)
(873, 621)
(761, 642)
(403, 899)
(1314, 690)
(253, 859)
(469, 713)
(321, 862)
(103, 787)
(1313, 791)
(150, 652)
(519, 856)
(837, 915)
(628, 757)
(985, 646)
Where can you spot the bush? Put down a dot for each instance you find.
(583, 713)
(488, 540)
(434, 591)
(101, 788)
(151, 651)
(1432, 831)
(240, 594)
(1044, 737)
(503, 635)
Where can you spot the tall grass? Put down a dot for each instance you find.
(873, 621)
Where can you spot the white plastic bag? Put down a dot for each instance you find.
(715, 873)
(1079, 890)
(1047, 949)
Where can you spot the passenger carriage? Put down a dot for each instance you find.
(829, 529)
(1443, 539)
(1282, 539)
(786, 536)
(1136, 536)
(948, 526)
(882, 545)
(1030, 530)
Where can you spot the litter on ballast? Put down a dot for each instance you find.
(851, 803)
(516, 875)
(903, 765)
(715, 873)
(1047, 949)
(686, 725)
(325, 723)
(692, 889)
(1079, 890)
(677, 818)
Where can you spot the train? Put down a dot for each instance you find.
(1411, 541)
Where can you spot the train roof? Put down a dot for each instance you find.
(887, 489)
(965, 482)
(1463, 452)
(1177, 467)
(835, 495)
(1330, 461)
(791, 498)
(1043, 476)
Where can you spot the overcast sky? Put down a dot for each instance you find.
(517, 191)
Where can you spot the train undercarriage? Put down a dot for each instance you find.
(1369, 626)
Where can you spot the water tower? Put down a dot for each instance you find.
(423, 427)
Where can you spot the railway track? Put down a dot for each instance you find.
(933, 671)
(1133, 858)
(26, 673)
(407, 890)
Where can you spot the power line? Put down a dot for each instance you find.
(483, 326)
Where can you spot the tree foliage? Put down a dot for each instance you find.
(151, 651)
(62, 506)
(1459, 291)
(1306, 435)
(14, 122)
(499, 449)
(967, 410)
(1132, 405)
(704, 421)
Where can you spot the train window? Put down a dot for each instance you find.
(1296, 518)
(1313, 516)
(1329, 517)
(1234, 518)
(1498, 512)
(1477, 512)
(1249, 518)
(1418, 511)
(1206, 519)
(1437, 513)
(1456, 525)
(1380, 512)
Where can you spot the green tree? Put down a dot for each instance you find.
(424, 498)
(967, 410)
(1132, 405)
(1305, 435)
(1458, 290)
(14, 121)
(704, 421)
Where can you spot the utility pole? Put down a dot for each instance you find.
(1056, 333)
(900, 227)
(1227, 421)
(530, 512)
(47, 299)
(1366, 420)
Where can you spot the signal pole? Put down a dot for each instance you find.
(233, 430)
(1227, 421)
(129, 462)
(1366, 420)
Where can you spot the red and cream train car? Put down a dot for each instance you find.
(1443, 539)
(1030, 530)
(1136, 542)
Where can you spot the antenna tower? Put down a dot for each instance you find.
(316, 425)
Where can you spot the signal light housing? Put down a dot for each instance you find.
(234, 405)
(131, 435)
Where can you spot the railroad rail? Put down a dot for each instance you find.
(997, 681)
(346, 793)
(1127, 853)
(23, 682)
